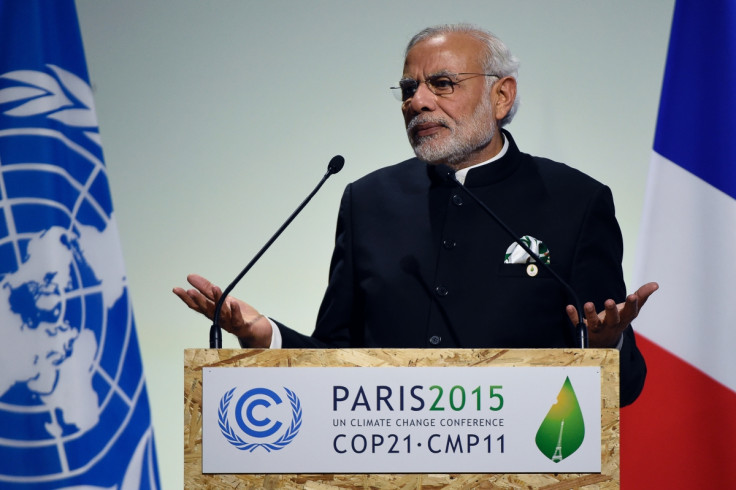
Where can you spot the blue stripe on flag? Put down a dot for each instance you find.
(40, 24)
(696, 125)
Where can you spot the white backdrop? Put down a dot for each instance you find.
(218, 117)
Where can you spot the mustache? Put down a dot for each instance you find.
(417, 120)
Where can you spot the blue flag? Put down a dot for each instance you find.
(74, 410)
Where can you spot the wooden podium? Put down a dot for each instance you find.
(197, 359)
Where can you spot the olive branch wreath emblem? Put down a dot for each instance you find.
(283, 441)
(60, 95)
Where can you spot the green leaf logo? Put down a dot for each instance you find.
(562, 430)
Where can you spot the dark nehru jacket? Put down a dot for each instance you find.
(418, 264)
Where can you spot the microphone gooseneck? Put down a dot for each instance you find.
(335, 165)
(448, 175)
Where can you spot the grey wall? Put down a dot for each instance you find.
(219, 116)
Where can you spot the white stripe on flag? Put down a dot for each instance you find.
(687, 232)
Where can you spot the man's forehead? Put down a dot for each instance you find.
(447, 52)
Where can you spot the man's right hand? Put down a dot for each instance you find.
(236, 316)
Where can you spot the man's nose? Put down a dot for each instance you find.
(423, 99)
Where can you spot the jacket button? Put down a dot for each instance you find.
(435, 339)
(457, 200)
(441, 291)
(449, 244)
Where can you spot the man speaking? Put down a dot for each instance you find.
(419, 263)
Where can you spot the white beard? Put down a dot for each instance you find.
(465, 137)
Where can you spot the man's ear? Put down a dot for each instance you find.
(503, 94)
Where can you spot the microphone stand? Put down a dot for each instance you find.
(335, 165)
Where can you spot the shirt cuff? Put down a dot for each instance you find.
(620, 342)
(276, 340)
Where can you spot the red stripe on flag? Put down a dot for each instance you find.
(681, 431)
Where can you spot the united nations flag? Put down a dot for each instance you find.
(74, 410)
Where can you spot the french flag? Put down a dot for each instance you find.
(681, 432)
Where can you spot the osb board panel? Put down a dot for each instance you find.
(196, 359)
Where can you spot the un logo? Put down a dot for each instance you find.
(262, 417)
(72, 391)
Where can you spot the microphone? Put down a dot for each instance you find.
(448, 175)
(335, 165)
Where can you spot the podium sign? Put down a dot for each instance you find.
(261, 412)
(399, 419)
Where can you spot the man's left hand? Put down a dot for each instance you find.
(605, 328)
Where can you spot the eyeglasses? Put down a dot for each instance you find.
(442, 84)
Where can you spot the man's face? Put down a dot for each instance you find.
(457, 128)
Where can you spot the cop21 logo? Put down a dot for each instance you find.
(262, 417)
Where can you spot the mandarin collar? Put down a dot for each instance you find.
(496, 170)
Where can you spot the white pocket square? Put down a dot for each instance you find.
(517, 255)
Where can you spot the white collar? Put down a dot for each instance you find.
(461, 174)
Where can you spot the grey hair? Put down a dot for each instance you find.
(497, 59)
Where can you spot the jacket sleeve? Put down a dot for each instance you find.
(597, 275)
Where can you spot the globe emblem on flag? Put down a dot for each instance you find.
(70, 371)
